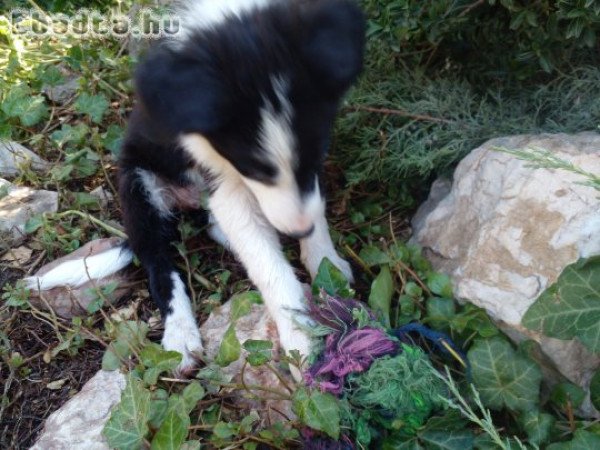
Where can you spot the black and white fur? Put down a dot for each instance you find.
(240, 103)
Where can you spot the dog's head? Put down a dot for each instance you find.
(254, 97)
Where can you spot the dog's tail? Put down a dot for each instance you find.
(75, 272)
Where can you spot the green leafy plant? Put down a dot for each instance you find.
(570, 308)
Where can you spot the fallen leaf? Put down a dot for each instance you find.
(125, 313)
(17, 256)
(57, 384)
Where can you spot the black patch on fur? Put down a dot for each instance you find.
(215, 83)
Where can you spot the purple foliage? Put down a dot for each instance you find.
(348, 349)
(345, 353)
(335, 313)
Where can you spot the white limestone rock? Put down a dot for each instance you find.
(13, 155)
(17, 205)
(257, 325)
(78, 424)
(505, 232)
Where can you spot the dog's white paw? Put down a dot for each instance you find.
(293, 338)
(185, 339)
(344, 267)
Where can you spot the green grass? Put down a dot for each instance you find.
(404, 124)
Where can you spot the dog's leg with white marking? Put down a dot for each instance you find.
(151, 227)
(257, 246)
(319, 245)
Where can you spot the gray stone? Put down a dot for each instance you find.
(17, 206)
(14, 155)
(104, 196)
(78, 424)
(505, 232)
(63, 92)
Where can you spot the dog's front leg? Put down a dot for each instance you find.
(319, 245)
(256, 244)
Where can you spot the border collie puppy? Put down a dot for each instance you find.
(240, 103)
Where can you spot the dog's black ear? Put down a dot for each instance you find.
(179, 93)
(333, 41)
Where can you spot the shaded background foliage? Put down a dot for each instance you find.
(443, 76)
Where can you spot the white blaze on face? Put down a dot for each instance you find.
(281, 202)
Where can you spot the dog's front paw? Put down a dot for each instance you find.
(344, 267)
(185, 339)
(293, 338)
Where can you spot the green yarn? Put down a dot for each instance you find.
(404, 388)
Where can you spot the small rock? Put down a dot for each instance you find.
(506, 231)
(13, 155)
(67, 301)
(104, 197)
(18, 206)
(78, 424)
(63, 92)
(256, 325)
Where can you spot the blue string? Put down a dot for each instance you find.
(435, 337)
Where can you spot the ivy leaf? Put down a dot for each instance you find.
(192, 394)
(34, 223)
(318, 410)
(172, 432)
(440, 284)
(259, 352)
(570, 307)
(564, 393)
(50, 75)
(158, 360)
(130, 335)
(504, 377)
(475, 319)
(34, 111)
(447, 439)
(241, 304)
(113, 138)
(537, 426)
(93, 106)
(223, 430)
(19, 102)
(247, 422)
(380, 297)
(584, 440)
(214, 376)
(440, 311)
(158, 407)
(448, 432)
(230, 348)
(127, 426)
(70, 134)
(374, 256)
(331, 280)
